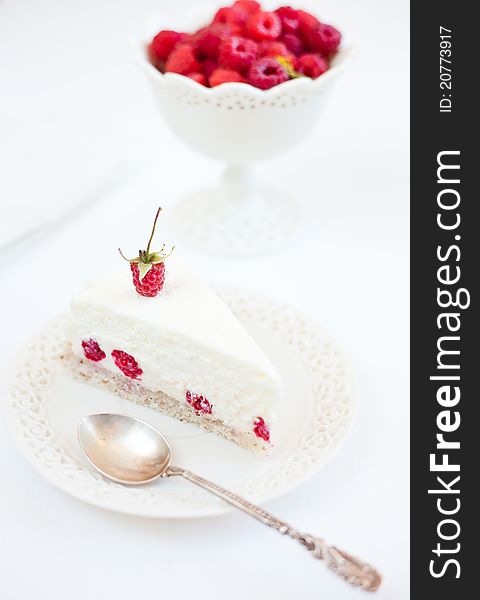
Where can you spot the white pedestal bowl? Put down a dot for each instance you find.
(240, 125)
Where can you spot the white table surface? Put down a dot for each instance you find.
(66, 65)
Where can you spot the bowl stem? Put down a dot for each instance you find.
(237, 216)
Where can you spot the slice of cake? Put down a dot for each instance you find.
(181, 352)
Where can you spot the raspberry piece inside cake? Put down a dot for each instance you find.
(200, 404)
(127, 364)
(92, 350)
(261, 430)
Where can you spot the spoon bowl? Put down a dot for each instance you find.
(124, 449)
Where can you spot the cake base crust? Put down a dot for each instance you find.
(134, 391)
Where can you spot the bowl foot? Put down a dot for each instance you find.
(237, 217)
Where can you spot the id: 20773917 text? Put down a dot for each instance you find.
(445, 70)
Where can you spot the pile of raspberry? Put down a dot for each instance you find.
(249, 45)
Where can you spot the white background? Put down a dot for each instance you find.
(67, 82)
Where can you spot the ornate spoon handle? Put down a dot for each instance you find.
(345, 565)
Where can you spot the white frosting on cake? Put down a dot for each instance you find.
(183, 339)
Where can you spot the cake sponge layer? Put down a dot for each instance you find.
(134, 391)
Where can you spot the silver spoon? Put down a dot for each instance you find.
(130, 451)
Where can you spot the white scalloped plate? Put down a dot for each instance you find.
(44, 406)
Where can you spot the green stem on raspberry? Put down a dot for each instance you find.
(147, 257)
